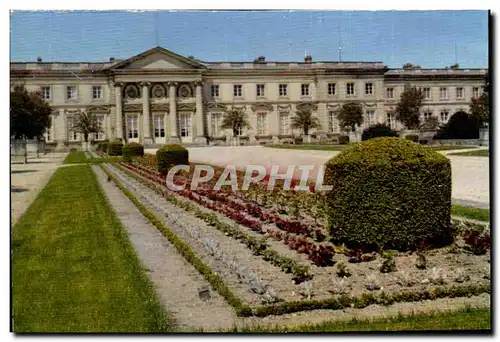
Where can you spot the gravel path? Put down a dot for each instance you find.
(175, 280)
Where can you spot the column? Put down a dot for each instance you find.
(108, 126)
(200, 134)
(53, 117)
(174, 137)
(146, 127)
(119, 124)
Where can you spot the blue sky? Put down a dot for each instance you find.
(421, 37)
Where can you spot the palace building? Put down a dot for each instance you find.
(159, 96)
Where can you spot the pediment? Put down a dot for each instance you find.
(158, 58)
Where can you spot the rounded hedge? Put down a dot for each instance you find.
(378, 130)
(170, 155)
(115, 148)
(131, 150)
(391, 193)
(460, 126)
(344, 140)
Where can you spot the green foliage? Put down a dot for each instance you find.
(235, 119)
(102, 146)
(378, 130)
(479, 107)
(131, 150)
(75, 157)
(430, 124)
(350, 115)
(170, 155)
(115, 148)
(460, 126)
(86, 123)
(29, 114)
(412, 137)
(343, 140)
(389, 192)
(305, 120)
(408, 108)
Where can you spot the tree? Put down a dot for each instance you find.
(86, 123)
(378, 130)
(235, 119)
(479, 106)
(350, 115)
(460, 126)
(408, 108)
(430, 124)
(29, 114)
(411, 66)
(305, 120)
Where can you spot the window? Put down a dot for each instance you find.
(283, 89)
(305, 89)
(369, 88)
(159, 125)
(72, 134)
(390, 121)
(214, 90)
(71, 93)
(100, 135)
(370, 118)
(261, 123)
(443, 93)
(133, 132)
(97, 92)
(260, 90)
(333, 122)
(331, 88)
(350, 88)
(444, 116)
(46, 93)
(475, 91)
(427, 93)
(427, 115)
(216, 123)
(284, 123)
(237, 90)
(460, 93)
(390, 93)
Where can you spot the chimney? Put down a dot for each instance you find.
(308, 59)
(111, 59)
(260, 59)
(39, 59)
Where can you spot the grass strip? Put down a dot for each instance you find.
(73, 267)
(470, 213)
(75, 157)
(478, 153)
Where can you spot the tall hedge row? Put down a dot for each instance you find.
(170, 155)
(389, 192)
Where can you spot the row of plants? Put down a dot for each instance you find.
(320, 255)
(333, 303)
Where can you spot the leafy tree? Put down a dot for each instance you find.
(460, 126)
(305, 120)
(408, 108)
(479, 106)
(430, 123)
(455, 66)
(86, 123)
(235, 119)
(411, 66)
(350, 115)
(378, 130)
(29, 114)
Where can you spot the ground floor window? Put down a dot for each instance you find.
(132, 127)
(390, 121)
(261, 123)
(102, 127)
(284, 123)
(159, 126)
(216, 122)
(444, 116)
(333, 122)
(72, 133)
(185, 124)
(370, 118)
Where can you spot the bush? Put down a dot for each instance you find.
(170, 155)
(378, 130)
(344, 140)
(131, 150)
(389, 192)
(114, 148)
(298, 141)
(460, 126)
(412, 137)
(102, 146)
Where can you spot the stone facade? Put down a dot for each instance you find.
(159, 96)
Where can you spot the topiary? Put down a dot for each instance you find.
(131, 150)
(412, 137)
(389, 192)
(114, 148)
(378, 130)
(170, 155)
(344, 140)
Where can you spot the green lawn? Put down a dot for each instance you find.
(449, 147)
(479, 153)
(75, 157)
(311, 147)
(465, 319)
(470, 213)
(73, 267)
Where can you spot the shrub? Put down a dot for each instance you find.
(114, 148)
(412, 137)
(131, 150)
(460, 126)
(298, 141)
(102, 146)
(378, 130)
(344, 140)
(389, 192)
(170, 155)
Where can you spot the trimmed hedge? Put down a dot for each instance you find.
(114, 148)
(460, 126)
(343, 140)
(132, 149)
(378, 130)
(412, 137)
(102, 146)
(170, 155)
(389, 192)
